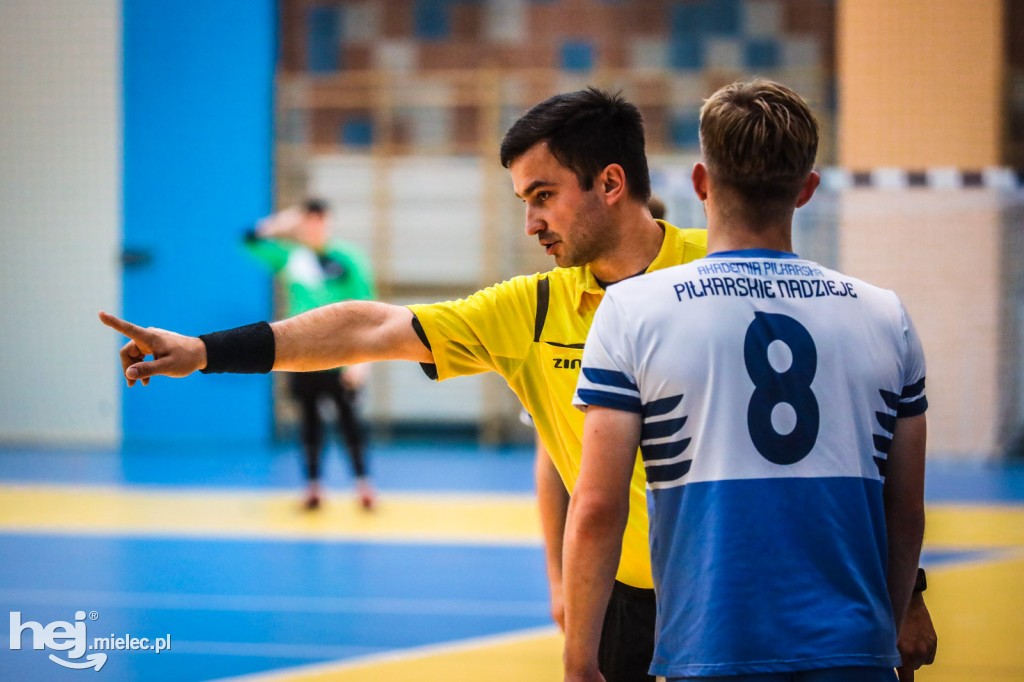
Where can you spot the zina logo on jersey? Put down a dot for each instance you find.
(567, 363)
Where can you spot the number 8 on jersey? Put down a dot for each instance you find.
(775, 385)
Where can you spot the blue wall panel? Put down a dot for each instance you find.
(577, 55)
(762, 54)
(432, 19)
(198, 136)
(323, 48)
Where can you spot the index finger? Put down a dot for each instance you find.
(132, 331)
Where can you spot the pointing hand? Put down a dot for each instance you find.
(174, 355)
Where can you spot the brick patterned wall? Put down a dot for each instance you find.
(700, 44)
(921, 83)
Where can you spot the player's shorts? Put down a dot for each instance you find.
(855, 674)
(627, 636)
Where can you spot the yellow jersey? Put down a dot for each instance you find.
(531, 331)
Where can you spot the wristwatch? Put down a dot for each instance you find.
(921, 583)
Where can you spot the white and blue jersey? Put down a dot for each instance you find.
(769, 388)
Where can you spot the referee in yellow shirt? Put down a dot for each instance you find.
(578, 162)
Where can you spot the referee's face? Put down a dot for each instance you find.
(569, 222)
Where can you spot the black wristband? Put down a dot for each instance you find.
(921, 582)
(242, 350)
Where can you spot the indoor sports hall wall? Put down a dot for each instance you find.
(922, 83)
(927, 104)
(60, 193)
(135, 133)
(918, 200)
(394, 110)
(947, 252)
(951, 252)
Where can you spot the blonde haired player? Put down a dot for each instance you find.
(779, 410)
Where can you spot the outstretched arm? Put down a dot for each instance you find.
(345, 334)
(331, 336)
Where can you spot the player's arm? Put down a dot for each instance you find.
(284, 224)
(904, 509)
(345, 334)
(331, 336)
(553, 502)
(593, 536)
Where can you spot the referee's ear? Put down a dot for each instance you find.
(611, 182)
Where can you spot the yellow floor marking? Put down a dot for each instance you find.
(534, 655)
(969, 526)
(470, 518)
(400, 517)
(978, 612)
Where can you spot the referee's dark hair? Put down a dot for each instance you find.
(586, 131)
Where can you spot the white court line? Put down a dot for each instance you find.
(268, 649)
(172, 601)
(411, 539)
(430, 650)
(269, 494)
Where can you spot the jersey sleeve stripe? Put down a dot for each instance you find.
(662, 429)
(661, 451)
(882, 443)
(656, 459)
(891, 399)
(616, 401)
(886, 421)
(656, 408)
(913, 408)
(913, 390)
(609, 377)
(667, 474)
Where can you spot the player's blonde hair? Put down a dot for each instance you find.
(759, 138)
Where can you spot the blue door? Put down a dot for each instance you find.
(198, 137)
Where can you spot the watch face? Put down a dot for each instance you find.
(921, 584)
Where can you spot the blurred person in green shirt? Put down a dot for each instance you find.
(314, 270)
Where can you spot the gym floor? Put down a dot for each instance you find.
(445, 580)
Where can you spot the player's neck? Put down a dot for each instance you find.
(772, 239)
(639, 243)
(731, 232)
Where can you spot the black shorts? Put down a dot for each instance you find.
(627, 636)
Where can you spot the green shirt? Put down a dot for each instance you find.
(339, 272)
